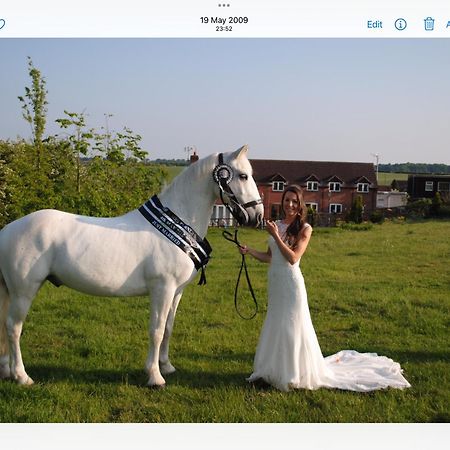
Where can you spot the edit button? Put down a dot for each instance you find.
(374, 24)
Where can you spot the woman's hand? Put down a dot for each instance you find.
(243, 249)
(260, 256)
(272, 228)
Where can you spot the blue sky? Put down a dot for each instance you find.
(310, 99)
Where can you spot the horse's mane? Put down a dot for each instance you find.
(190, 174)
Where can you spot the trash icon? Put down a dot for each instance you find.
(429, 24)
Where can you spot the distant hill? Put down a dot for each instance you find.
(415, 168)
(171, 162)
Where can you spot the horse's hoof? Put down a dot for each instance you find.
(156, 387)
(166, 368)
(25, 381)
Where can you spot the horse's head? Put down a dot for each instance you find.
(237, 188)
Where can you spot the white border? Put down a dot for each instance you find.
(182, 18)
(225, 436)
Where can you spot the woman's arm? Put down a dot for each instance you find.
(292, 255)
(264, 257)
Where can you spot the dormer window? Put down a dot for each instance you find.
(334, 187)
(278, 186)
(312, 186)
(362, 187)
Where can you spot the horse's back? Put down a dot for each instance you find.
(100, 256)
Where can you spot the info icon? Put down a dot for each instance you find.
(400, 24)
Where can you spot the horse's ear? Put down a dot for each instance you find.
(240, 152)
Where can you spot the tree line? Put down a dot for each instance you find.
(82, 170)
(415, 168)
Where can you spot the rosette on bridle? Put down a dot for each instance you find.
(223, 174)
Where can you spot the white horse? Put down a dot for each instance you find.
(120, 256)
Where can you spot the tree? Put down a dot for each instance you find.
(394, 185)
(6, 189)
(117, 147)
(79, 142)
(436, 204)
(356, 211)
(59, 171)
(34, 109)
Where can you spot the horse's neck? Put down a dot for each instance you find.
(191, 197)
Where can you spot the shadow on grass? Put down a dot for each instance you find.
(192, 375)
(423, 356)
(197, 377)
(48, 374)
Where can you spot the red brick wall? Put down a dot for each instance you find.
(322, 197)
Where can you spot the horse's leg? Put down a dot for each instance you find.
(164, 362)
(4, 347)
(17, 312)
(162, 297)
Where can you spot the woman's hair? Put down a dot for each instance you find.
(292, 232)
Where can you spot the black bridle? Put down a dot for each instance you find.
(222, 175)
(229, 237)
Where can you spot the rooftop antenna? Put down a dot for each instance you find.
(189, 149)
(377, 157)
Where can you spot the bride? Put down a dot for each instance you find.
(288, 354)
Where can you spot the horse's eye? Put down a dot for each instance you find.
(243, 176)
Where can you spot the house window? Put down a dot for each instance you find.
(278, 186)
(312, 186)
(335, 187)
(443, 186)
(219, 211)
(335, 208)
(362, 187)
(313, 206)
(429, 186)
(275, 210)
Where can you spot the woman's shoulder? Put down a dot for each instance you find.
(306, 227)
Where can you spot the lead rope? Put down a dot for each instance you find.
(229, 237)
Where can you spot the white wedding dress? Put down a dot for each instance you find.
(288, 354)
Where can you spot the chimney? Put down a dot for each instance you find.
(193, 158)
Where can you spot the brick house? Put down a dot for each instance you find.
(329, 188)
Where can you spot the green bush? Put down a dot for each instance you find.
(364, 226)
(377, 217)
(98, 187)
(444, 211)
(418, 208)
(356, 211)
(57, 173)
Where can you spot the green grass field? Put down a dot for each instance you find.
(384, 290)
(386, 178)
(172, 172)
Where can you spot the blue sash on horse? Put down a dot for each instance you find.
(178, 232)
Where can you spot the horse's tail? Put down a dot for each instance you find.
(4, 305)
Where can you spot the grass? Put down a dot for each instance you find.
(172, 172)
(386, 178)
(383, 290)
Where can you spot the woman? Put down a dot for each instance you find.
(288, 355)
